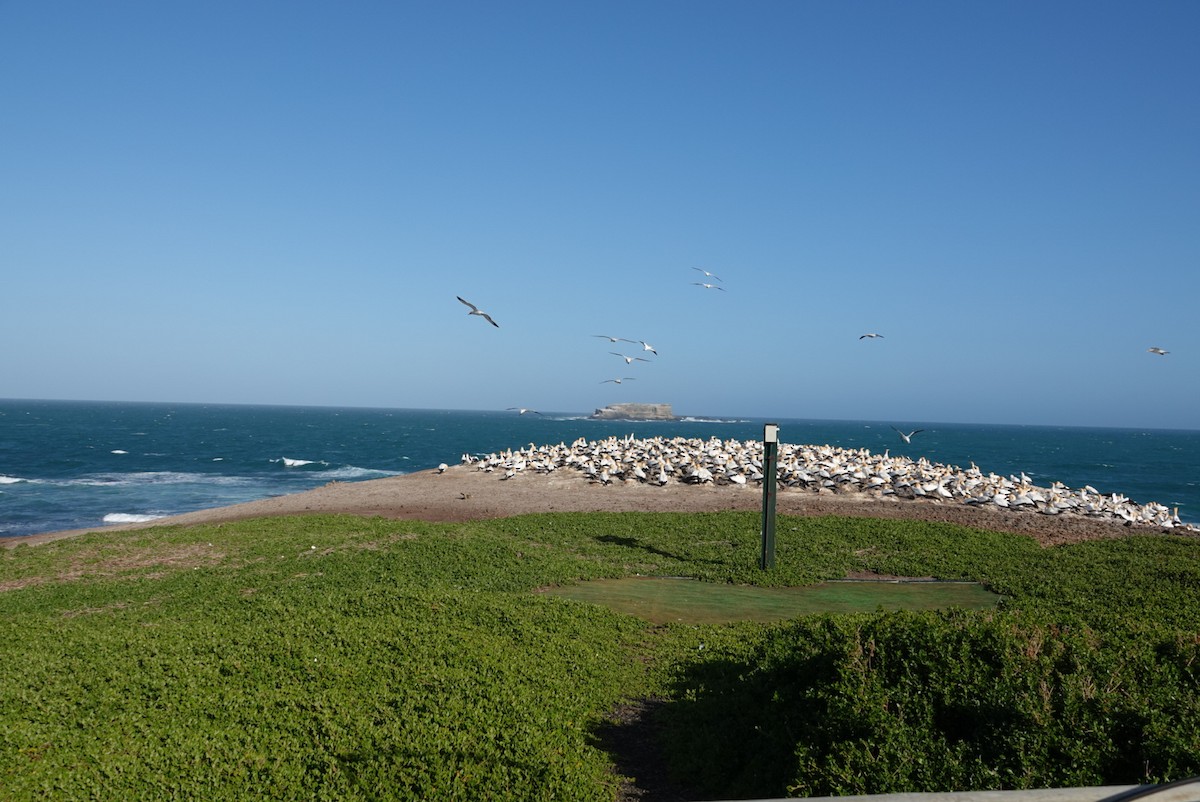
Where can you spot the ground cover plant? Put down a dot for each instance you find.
(349, 658)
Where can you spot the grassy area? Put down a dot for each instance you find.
(348, 658)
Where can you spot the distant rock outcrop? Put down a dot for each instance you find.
(635, 412)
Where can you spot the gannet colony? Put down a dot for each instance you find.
(664, 461)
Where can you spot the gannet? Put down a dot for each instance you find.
(645, 346)
(708, 286)
(612, 339)
(618, 381)
(1157, 350)
(523, 410)
(477, 311)
(872, 335)
(907, 437)
(706, 273)
(629, 360)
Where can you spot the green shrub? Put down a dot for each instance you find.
(899, 702)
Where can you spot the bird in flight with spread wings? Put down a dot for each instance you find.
(907, 437)
(475, 310)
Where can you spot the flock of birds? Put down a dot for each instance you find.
(817, 468)
(663, 461)
(646, 347)
(628, 360)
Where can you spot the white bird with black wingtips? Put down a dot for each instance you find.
(1159, 351)
(707, 274)
(618, 381)
(629, 360)
(475, 310)
(907, 437)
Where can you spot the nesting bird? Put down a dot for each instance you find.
(662, 461)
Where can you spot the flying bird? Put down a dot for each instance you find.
(708, 286)
(1157, 350)
(618, 381)
(523, 410)
(872, 335)
(907, 437)
(645, 346)
(629, 360)
(707, 274)
(613, 339)
(475, 310)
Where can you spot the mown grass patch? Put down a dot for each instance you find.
(340, 657)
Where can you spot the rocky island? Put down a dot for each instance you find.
(634, 412)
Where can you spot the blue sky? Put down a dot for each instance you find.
(277, 203)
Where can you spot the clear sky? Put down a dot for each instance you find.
(277, 203)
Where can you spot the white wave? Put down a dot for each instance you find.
(119, 451)
(297, 463)
(129, 518)
(151, 478)
(690, 419)
(349, 473)
(10, 480)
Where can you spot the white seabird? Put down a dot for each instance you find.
(707, 274)
(1159, 351)
(612, 339)
(618, 381)
(475, 310)
(872, 335)
(708, 286)
(629, 360)
(523, 410)
(907, 437)
(645, 346)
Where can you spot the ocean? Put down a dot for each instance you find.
(71, 464)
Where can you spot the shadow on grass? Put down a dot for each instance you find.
(635, 543)
(633, 738)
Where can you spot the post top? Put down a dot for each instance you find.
(771, 433)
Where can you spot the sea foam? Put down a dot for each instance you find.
(151, 478)
(349, 473)
(297, 463)
(129, 518)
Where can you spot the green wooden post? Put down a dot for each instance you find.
(770, 487)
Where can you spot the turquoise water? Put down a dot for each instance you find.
(67, 465)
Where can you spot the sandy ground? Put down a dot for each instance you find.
(464, 493)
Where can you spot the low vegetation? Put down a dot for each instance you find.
(349, 658)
